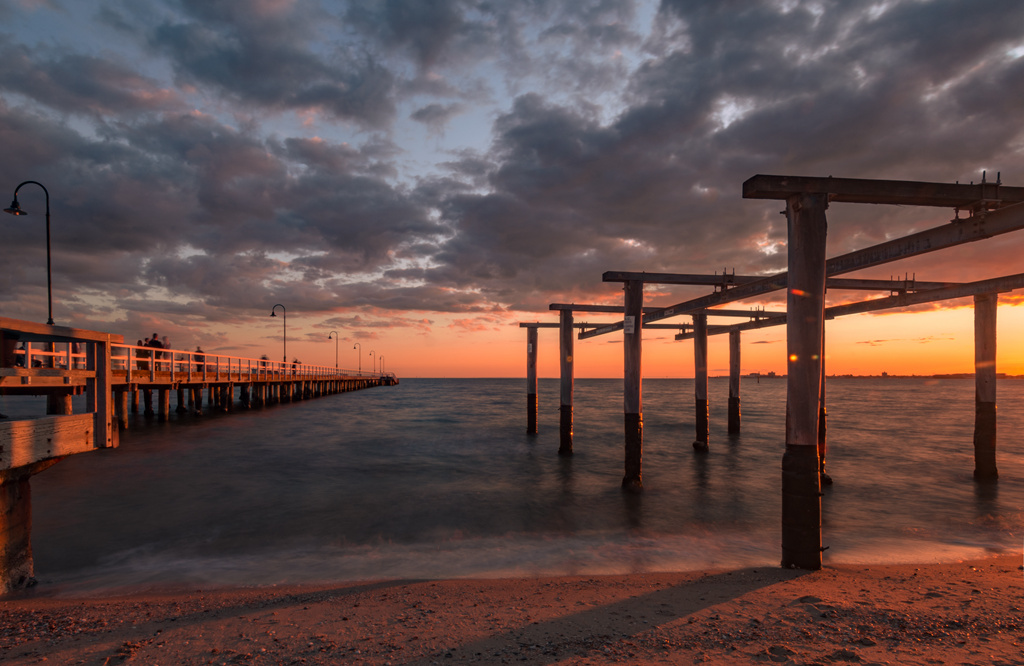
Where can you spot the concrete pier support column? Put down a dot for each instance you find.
(565, 348)
(531, 380)
(147, 399)
(985, 306)
(121, 404)
(700, 381)
(805, 309)
(734, 381)
(632, 386)
(58, 403)
(165, 403)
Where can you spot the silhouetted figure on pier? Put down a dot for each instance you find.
(142, 354)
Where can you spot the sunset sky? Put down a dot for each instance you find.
(422, 176)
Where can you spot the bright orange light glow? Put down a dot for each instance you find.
(910, 343)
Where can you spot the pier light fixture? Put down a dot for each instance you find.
(284, 335)
(374, 361)
(336, 338)
(359, 356)
(382, 364)
(15, 209)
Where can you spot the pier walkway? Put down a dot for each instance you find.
(61, 362)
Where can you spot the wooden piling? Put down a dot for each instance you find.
(531, 380)
(700, 381)
(565, 345)
(632, 389)
(17, 569)
(181, 407)
(985, 306)
(824, 477)
(734, 382)
(805, 305)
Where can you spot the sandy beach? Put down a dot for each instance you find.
(956, 613)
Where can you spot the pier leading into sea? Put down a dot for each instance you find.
(116, 381)
(980, 211)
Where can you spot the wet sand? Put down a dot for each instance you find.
(958, 613)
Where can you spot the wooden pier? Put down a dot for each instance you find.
(61, 362)
(990, 209)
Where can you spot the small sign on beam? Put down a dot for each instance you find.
(629, 325)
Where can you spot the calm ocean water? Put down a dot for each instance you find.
(437, 478)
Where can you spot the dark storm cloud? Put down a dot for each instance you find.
(264, 58)
(436, 116)
(608, 156)
(75, 83)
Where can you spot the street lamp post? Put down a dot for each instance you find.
(284, 335)
(360, 356)
(15, 209)
(374, 361)
(382, 364)
(336, 337)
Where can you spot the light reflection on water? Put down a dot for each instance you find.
(437, 478)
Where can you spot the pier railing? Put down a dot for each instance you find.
(130, 363)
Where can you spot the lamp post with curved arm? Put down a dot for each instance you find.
(382, 364)
(336, 337)
(360, 356)
(15, 209)
(284, 335)
(374, 361)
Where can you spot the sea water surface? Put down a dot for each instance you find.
(438, 478)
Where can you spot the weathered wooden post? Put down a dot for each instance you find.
(825, 479)
(632, 389)
(805, 309)
(734, 381)
(531, 380)
(181, 407)
(700, 380)
(985, 306)
(565, 345)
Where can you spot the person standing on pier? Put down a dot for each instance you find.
(142, 354)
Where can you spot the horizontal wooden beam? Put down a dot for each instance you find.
(585, 325)
(901, 192)
(678, 278)
(1004, 220)
(992, 286)
(28, 441)
(583, 307)
(907, 284)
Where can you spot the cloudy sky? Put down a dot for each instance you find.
(421, 176)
